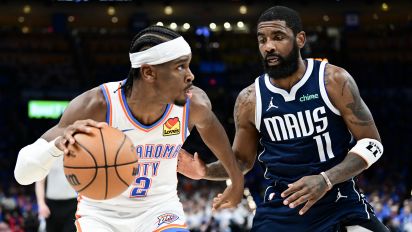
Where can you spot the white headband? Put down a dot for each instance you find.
(161, 53)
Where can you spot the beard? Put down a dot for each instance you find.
(287, 64)
(180, 102)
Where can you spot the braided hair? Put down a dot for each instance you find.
(290, 16)
(145, 39)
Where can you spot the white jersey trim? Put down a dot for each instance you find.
(258, 107)
(292, 95)
(322, 88)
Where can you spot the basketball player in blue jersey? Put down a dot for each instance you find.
(305, 113)
(156, 107)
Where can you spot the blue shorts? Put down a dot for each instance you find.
(342, 204)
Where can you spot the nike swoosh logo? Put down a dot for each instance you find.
(127, 129)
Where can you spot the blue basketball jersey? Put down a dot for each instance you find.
(302, 133)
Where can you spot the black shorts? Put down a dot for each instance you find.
(341, 207)
(62, 215)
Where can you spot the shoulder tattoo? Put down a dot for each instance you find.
(357, 106)
(244, 103)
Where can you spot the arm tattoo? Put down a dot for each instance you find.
(357, 106)
(244, 101)
(351, 166)
(216, 171)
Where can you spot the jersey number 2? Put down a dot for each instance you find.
(143, 184)
(321, 146)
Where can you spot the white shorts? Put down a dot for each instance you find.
(167, 216)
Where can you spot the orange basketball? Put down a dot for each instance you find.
(100, 165)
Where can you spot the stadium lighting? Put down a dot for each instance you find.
(27, 9)
(326, 18)
(240, 24)
(186, 26)
(243, 9)
(159, 24)
(21, 19)
(168, 10)
(227, 26)
(115, 19)
(384, 6)
(212, 26)
(173, 26)
(111, 10)
(25, 29)
(70, 19)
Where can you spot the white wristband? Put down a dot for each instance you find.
(369, 149)
(35, 161)
(326, 178)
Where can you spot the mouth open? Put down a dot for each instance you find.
(271, 60)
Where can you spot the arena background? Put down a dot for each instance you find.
(54, 50)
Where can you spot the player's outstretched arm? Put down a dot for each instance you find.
(345, 96)
(35, 160)
(216, 139)
(244, 146)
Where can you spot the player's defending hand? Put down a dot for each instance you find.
(308, 189)
(79, 126)
(230, 198)
(190, 166)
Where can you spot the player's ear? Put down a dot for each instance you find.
(147, 72)
(301, 39)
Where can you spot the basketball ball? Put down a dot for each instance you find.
(100, 164)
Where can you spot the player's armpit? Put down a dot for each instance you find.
(345, 96)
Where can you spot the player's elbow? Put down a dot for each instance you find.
(28, 173)
(21, 178)
(245, 166)
(27, 170)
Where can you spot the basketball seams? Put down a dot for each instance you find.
(115, 161)
(109, 166)
(105, 163)
(95, 167)
(117, 156)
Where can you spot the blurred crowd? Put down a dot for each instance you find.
(47, 65)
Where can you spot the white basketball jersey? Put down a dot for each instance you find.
(157, 148)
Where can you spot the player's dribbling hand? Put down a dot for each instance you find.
(190, 166)
(308, 189)
(79, 126)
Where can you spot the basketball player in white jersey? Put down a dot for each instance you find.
(156, 107)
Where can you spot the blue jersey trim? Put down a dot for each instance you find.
(108, 107)
(136, 121)
(187, 118)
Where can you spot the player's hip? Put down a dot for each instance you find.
(165, 215)
(340, 202)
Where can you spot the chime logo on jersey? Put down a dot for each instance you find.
(171, 127)
(166, 218)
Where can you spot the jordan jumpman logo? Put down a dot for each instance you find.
(339, 196)
(271, 105)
